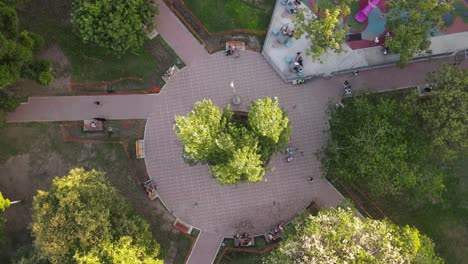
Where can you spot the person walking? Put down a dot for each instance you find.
(98, 103)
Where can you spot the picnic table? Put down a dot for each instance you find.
(282, 38)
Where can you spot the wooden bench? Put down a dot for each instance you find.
(182, 227)
(140, 149)
(238, 45)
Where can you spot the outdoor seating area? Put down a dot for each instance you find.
(275, 233)
(244, 240)
(170, 73)
(183, 227)
(291, 6)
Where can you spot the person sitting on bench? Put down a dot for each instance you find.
(230, 51)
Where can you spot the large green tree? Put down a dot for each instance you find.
(445, 110)
(117, 25)
(199, 130)
(411, 23)
(17, 49)
(338, 236)
(324, 28)
(83, 219)
(236, 146)
(377, 141)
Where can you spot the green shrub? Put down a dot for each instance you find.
(8, 103)
(45, 78)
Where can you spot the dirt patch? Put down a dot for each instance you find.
(33, 154)
(61, 69)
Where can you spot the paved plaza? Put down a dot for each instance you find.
(189, 191)
(193, 194)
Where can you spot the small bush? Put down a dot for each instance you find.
(8, 103)
(45, 78)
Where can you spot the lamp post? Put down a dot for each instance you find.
(236, 99)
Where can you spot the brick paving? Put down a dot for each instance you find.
(190, 192)
(205, 249)
(177, 35)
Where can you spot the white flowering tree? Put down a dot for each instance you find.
(338, 236)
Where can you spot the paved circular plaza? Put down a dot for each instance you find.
(192, 194)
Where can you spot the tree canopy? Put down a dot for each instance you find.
(85, 220)
(236, 148)
(445, 110)
(338, 236)
(377, 140)
(411, 23)
(323, 29)
(17, 49)
(117, 25)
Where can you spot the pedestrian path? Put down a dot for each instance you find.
(205, 248)
(177, 35)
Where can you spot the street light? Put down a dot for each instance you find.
(236, 99)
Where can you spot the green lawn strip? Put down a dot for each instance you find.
(222, 15)
(92, 63)
(233, 257)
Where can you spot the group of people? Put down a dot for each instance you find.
(347, 87)
(298, 63)
(292, 6)
(286, 31)
(276, 233)
(244, 239)
(232, 51)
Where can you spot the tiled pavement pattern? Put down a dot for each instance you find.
(192, 194)
(205, 249)
(189, 191)
(177, 35)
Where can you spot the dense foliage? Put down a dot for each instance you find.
(323, 29)
(445, 111)
(17, 49)
(85, 220)
(117, 25)
(235, 147)
(411, 23)
(378, 141)
(338, 236)
(4, 204)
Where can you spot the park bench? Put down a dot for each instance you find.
(140, 149)
(238, 45)
(182, 227)
(169, 73)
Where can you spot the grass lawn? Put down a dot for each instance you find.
(446, 222)
(88, 63)
(221, 15)
(241, 258)
(33, 153)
